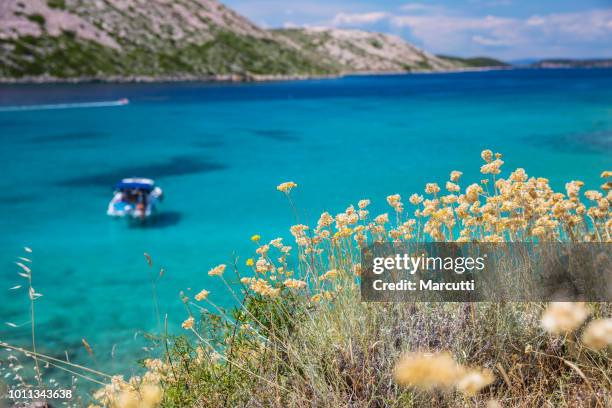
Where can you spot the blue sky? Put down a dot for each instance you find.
(507, 29)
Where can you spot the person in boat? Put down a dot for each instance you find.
(141, 203)
(135, 197)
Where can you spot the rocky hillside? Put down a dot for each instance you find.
(136, 39)
(361, 51)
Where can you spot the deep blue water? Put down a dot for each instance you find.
(219, 150)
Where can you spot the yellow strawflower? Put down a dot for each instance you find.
(286, 187)
(202, 295)
(217, 270)
(188, 324)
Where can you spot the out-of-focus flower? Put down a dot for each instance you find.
(564, 317)
(474, 380)
(127, 399)
(426, 371)
(598, 334)
(151, 395)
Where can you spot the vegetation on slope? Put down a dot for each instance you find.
(227, 53)
(475, 62)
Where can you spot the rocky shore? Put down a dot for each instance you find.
(47, 79)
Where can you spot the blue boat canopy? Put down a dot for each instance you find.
(135, 184)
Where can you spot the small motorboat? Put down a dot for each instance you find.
(135, 198)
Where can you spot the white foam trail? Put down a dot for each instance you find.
(102, 104)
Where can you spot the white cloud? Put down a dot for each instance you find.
(452, 34)
(493, 3)
(355, 19)
(449, 24)
(491, 42)
(586, 25)
(444, 32)
(535, 21)
(421, 8)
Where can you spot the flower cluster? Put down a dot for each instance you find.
(286, 187)
(217, 270)
(203, 294)
(517, 208)
(566, 317)
(141, 392)
(427, 371)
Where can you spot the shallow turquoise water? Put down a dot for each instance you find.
(219, 151)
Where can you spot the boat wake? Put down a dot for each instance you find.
(101, 104)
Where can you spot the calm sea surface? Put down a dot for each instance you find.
(219, 151)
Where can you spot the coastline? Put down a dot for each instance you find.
(253, 78)
(231, 78)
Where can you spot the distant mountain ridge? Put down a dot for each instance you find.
(573, 63)
(183, 39)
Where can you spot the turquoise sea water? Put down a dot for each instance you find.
(219, 151)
